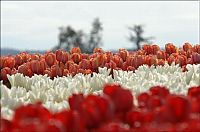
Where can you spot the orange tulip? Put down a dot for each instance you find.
(151, 60)
(85, 64)
(187, 46)
(84, 56)
(9, 62)
(118, 60)
(65, 72)
(65, 57)
(56, 71)
(18, 60)
(196, 48)
(182, 60)
(48, 72)
(25, 70)
(130, 68)
(160, 62)
(111, 65)
(50, 59)
(171, 59)
(4, 72)
(196, 58)
(123, 54)
(170, 48)
(98, 50)
(161, 55)
(73, 69)
(2, 60)
(75, 50)
(155, 49)
(59, 55)
(76, 57)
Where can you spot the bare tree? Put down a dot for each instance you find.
(95, 38)
(138, 38)
(69, 37)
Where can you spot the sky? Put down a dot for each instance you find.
(34, 24)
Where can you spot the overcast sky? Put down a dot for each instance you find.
(34, 25)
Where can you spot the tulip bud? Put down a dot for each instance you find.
(18, 60)
(123, 54)
(25, 70)
(48, 72)
(65, 72)
(9, 62)
(84, 56)
(171, 59)
(98, 50)
(35, 57)
(73, 69)
(56, 71)
(160, 62)
(85, 64)
(130, 68)
(170, 48)
(65, 57)
(187, 46)
(182, 60)
(2, 60)
(196, 48)
(161, 55)
(75, 50)
(50, 59)
(59, 55)
(4, 72)
(155, 49)
(76, 57)
(196, 58)
(118, 60)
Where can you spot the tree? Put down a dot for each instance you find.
(69, 37)
(95, 38)
(138, 38)
(66, 37)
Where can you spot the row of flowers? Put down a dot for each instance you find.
(113, 111)
(63, 63)
(54, 94)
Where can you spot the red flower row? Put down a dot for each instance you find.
(157, 110)
(62, 63)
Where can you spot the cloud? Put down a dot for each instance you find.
(37, 22)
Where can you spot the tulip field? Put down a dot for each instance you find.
(147, 90)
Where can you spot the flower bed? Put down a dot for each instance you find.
(125, 91)
(113, 111)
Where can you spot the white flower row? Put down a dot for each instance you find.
(54, 94)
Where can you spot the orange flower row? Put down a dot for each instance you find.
(63, 63)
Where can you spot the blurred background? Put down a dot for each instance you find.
(36, 26)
